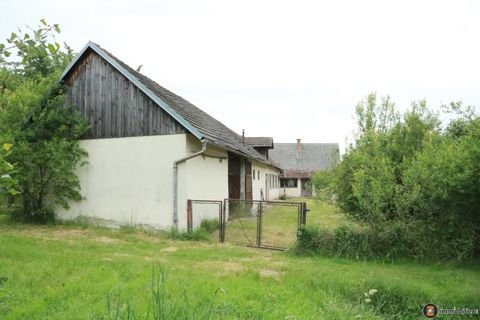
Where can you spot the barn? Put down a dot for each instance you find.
(150, 150)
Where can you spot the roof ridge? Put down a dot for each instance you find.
(195, 120)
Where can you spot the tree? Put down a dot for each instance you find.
(36, 119)
(410, 171)
(7, 183)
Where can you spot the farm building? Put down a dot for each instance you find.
(299, 162)
(151, 150)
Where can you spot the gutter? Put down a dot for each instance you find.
(203, 152)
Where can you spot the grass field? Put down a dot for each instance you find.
(70, 272)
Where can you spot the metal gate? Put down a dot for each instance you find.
(261, 224)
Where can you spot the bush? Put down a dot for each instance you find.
(199, 234)
(210, 225)
(410, 182)
(394, 241)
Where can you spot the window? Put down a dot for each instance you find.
(253, 176)
(288, 183)
(258, 174)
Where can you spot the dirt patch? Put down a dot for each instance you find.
(223, 267)
(108, 240)
(268, 273)
(122, 255)
(169, 249)
(66, 233)
(45, 233)
(147, 237)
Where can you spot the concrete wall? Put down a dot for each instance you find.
(130, 180)
(267, 179)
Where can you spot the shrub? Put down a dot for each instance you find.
(194, 235)
(210, 225)
(392, 241)
(412, 183)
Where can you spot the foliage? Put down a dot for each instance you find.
(410, 171)
(7, 183)
(396, 240)
(210, 225)
(199, 234)
(36, 119)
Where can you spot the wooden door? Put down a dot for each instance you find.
(233, 177)
(248, 181)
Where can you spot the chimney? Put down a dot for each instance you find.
(243, 136)
(299, 148)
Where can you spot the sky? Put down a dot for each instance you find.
(287, 69)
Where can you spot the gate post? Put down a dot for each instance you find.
(304, 213)
(189, 216)
(220, 221)
(259, 224)
(223, 221)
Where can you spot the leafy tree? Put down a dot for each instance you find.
(36, 119)
(408, 171)
(7, 183)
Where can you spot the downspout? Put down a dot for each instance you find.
(175, 179)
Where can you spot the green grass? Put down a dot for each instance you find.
(67, 272)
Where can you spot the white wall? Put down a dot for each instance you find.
(130, 180)
(206, 179)
(259, 183)
(292, 192)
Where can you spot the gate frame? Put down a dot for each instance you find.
(302, 219)
(222, 209)
(190, 203)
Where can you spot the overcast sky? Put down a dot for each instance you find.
(287, 69)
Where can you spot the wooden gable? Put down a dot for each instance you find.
(112, 104)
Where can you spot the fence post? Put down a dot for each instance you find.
(189, 216)
(259, 224)
(224, 220)
(304, 213)
(220, 221)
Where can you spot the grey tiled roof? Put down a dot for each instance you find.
(210, 128)
(312, 157)
(260, 141)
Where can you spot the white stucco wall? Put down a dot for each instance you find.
(206, 179)
(292, 192)
(260, 184)
(130, 180)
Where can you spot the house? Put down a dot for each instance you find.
(300, 161)
(150, 150)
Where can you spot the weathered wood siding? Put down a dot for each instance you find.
(112, 105)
